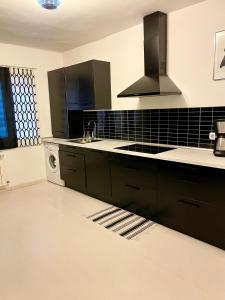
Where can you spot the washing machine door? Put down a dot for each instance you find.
(53, 162)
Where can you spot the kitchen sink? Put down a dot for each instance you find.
(79, 141)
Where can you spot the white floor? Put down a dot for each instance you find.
(50, 251)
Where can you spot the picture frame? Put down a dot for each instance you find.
(219, 56)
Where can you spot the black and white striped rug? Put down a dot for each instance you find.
(120, 221)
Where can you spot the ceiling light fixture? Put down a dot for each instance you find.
(49, 4)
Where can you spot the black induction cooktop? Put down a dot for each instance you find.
(145, 148)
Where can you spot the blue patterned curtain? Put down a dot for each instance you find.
(3, 123)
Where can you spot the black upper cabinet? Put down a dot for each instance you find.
(88, 85)
(101, 84)
(56, 82)
(79, 86)
(75, 88)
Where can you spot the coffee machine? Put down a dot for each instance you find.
(219, 149)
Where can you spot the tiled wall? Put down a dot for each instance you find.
(183, 126)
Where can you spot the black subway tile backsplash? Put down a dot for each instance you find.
(183, 126)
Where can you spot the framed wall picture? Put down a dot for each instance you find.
(219, 59)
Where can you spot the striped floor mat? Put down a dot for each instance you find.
(121, 221)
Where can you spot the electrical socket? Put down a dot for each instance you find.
(212, 136)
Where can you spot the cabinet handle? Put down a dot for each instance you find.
(191, 168)
(131, 168)
(133, 187)
(72, 170)
(71, 155)
(96, 151)
(190, 180)
(59, 131)
(189, 202)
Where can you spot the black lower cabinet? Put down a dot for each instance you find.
(86, 170)
(134, 184)
(192, 201)
(98, 174)
(186, 198)
(72, 168)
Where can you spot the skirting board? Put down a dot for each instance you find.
(15, 187)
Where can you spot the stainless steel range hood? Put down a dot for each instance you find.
(155, 82)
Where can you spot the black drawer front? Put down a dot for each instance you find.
(71, 149)
(135, 163)
(134, 197)
(143, 171)
(75, 182)
(195, 218)
(203, 184)
(72, 168)
(71, 160)
(212, 193)
(134, 184)
(197, 174)
(145, 177)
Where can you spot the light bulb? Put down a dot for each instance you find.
(49, 4)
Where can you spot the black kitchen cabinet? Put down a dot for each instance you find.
(191, 200)
(88, 85)
(134, 184)
(66, 123)
(75, 88)
(72, 167)
(86, 170)
(79, 86)
(98, 174)
(56, 82)
(183, 197)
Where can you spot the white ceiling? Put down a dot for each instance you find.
(75, 22)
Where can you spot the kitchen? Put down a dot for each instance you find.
(150, 162)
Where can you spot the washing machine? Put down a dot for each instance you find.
(52, 163)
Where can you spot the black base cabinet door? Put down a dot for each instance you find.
(98, 174)
(134, 184)
(72, 168)
(192, 201)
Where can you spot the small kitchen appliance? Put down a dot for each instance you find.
(219, 149)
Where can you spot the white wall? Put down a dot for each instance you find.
(190, 58)
(24, 165)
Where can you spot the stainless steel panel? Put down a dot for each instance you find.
(220, 144)
(220, 127)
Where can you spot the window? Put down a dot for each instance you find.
(25, 106)
(7, 123)
(3, 123)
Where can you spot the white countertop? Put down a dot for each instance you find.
(195, 156)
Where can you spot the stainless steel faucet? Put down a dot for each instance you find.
(93, 134)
